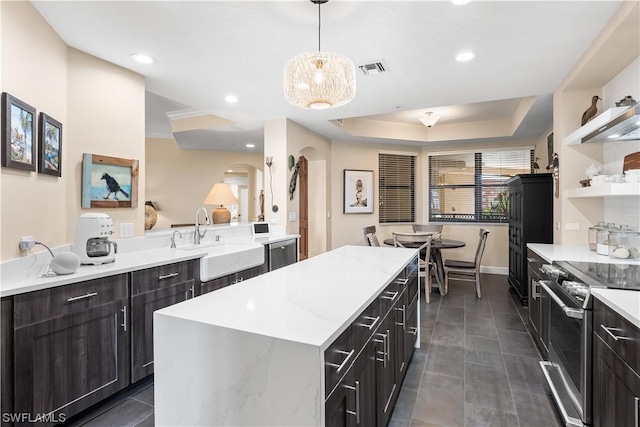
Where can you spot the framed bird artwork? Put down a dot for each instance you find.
(109, 182)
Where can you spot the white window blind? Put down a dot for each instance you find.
(471, 187)
(396, 188)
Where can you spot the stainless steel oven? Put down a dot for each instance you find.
(568, 370)
(570, 322)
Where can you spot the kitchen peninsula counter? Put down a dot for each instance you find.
(253, 353)
(551, 253)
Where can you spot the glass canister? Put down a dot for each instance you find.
(593, 238)
(624, 244)
(602, 238)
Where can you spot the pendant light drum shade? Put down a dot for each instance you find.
(319, 80)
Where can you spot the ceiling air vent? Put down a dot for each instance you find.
(375, 67)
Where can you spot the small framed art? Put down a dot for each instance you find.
(18, 134)
(49, 146)
(358, 191)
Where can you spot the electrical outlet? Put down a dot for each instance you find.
(126, 229)
(26, 243)
(293, 216)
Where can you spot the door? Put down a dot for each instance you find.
(304, 208)
(361, 392)
(616, 388)
(142, 308)
(336, 406)
(68, 363)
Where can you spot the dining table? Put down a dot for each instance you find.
(436, 254)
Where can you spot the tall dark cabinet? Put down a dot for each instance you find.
(530, 221)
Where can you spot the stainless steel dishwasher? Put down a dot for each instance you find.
(283, 253)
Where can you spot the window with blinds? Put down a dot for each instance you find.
(396, 188)
(471, 187)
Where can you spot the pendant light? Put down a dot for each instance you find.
(319, 80)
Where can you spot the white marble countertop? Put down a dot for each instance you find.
(625, 303)
(124, 263)
(550, 253)
(310, 302)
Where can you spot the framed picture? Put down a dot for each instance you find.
(358, 191)
(109, 182)
(49, 145)
(18, 134)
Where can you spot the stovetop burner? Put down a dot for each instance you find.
(604, 275)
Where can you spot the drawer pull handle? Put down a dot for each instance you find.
(531, 259)
(404, 321)
(167, 276)
(344, 362)
(124, 318)
(415, 330)
(371, 326)
(394, 295)
(535, 289)
(384, 348)
(89, 295)
(614, 336)
(637, 412)
(402, 281)
(357, 390)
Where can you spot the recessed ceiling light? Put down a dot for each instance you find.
(465, 56)
(142, 58)
(250, 145)
(231, 99)
(613, 136)
(460, 2)
(229, 170)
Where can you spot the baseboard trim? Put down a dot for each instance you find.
(504, 271)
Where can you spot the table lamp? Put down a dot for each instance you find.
(220, 194)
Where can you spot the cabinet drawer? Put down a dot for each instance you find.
(392, 294)
(627, 344)
(34, 307)
(337, 360)
(366, 324)
(162, 276)
(535, 262)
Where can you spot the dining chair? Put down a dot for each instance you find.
(432, 228)
(468, 271)
(404, 240)
(370, 236)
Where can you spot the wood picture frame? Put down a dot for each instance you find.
(49, 145)
(18, 134)
(357, 191)
(109, 182)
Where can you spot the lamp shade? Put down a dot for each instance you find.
(221, 194)
(319, 80)
(429, 119)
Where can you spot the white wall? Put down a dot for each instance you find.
(101, 108)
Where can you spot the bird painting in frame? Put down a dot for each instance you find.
(113, 186)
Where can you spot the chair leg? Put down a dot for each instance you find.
(478, 292)
(427, 289)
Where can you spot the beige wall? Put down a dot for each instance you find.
(179, 180)
(101, 108)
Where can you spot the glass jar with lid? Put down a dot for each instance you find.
(593, 238)
(624, 244)
(602, 238)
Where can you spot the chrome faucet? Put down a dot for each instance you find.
(196, 235)
(173, 239)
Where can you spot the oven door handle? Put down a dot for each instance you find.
(575, 313)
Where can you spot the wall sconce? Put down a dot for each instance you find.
(269, 162)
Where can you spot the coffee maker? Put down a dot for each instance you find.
(92, 244)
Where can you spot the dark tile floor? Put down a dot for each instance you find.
(476, 366)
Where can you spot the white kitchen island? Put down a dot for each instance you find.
(253, 353)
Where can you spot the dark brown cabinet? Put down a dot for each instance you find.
(538, 304)
(6, 356)
(71, 346)
(530, 221)
(616, 363)
(365, 365)
(153, 289)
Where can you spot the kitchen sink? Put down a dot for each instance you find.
(227, 258)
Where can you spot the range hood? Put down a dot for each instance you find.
(615, 124)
